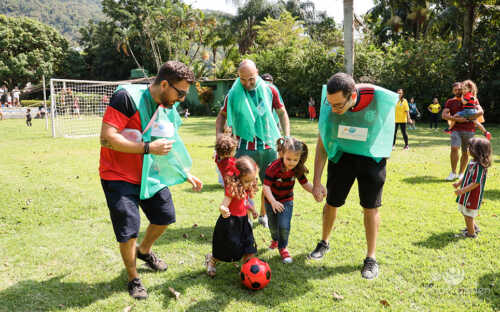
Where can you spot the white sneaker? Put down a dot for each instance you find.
(452, 176)
(263, 221)
(460, 176)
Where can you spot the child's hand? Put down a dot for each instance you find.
(255, 214)
(458, 192)
(224, 211)
(456, 184)
(277, 207)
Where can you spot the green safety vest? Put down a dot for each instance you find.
(159, 171)
(368, 132)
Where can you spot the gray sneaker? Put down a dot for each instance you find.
(321, 249)
(263, 221)
(370, 268)
(476, 229)
(136, 290)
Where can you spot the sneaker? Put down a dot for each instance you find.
(274, 244)
(136, 290)
(452, 176)
(370, 268)
(263, 221)
(476, 229)
(406, 148)
(460, 176)
(285, 256)
(467, 235)
(447, 130)
(321, 249)
(210, 264)
(488, 136)
(152, 261)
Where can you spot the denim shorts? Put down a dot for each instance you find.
(461, 138)
(468, 112)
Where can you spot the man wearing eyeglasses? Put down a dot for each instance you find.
(356, 131)
(121, 164)
(248, 110)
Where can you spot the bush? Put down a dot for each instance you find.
(33, 103)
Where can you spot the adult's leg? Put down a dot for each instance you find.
(329, 216)
(454, 158)
(405, 135)
(127, 251)
(371, 222)
(465, 136)
(153, 232)
(395, 133)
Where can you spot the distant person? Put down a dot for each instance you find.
(9, 99)
(16, 97)
(28, 117)
(1, 114)
(414, 113)
(186, 114)
(311, 108)
(402, 117)
(470, 188)
(3, 96)
(434, 108)
(461, 133)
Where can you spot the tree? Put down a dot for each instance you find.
(349, 36)
(30, 49)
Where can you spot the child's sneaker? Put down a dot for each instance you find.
(476, 229)
(285, 256)
(467, 235)
(447, 130)
(274, 245)
(210, 264)
(263, 221)
(488, 136)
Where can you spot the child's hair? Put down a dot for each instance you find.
(470, 86)
(225, 146)
(28, 110)
(480, 150)
(228, 130)
(244, 166)
(291, 144)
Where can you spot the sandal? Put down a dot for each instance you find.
(210, 264)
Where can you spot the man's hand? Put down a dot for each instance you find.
(319, 192)
(195, 182)
(161, 146)
(277, 206)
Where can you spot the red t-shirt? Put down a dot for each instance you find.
(225, 164)
(455, 106)
(121, 113)
(280, 181)
(237, 207)
(277, 104)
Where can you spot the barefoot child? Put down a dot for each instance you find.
(233, 236)
(278, 191)
(470, 188)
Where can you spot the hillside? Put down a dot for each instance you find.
(67, 16)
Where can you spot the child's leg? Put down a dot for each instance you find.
(479, 125)
(469, 222)
(210, 262)
(272, 220)
(284, 222)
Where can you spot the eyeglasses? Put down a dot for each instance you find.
(338, 107)
(180, 93)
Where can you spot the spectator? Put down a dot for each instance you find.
(311, 108)
(28, 117)
(402, 117)
(16, 95)
(414, 113)
(434, 109)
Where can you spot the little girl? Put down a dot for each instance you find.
(233, 236)
(278, 191)
(225, 149)
(469, 104)
(470, 193)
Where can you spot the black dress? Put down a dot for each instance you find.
(233, 238)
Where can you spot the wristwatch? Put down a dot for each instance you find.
(146, 147)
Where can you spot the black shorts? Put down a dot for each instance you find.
(233, 238)
(413, 116)
(123, 203)
(370, 176)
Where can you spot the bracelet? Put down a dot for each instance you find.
(146, 147)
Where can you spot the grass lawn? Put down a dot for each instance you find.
(58, 251)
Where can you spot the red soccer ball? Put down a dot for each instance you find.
(255, 274)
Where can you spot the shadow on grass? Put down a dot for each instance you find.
(492, 194)
(216, 187)
(423, 179)
(55, 294)
(200, 235)
(488, 289)
(226, 287)
(438, 241)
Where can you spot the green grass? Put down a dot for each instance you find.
(58, 252)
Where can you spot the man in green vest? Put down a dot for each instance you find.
(121, 168)
(356, 132)
(248, 109)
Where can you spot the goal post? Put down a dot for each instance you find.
(77, 106)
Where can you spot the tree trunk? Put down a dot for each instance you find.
(348, 37)
(468, 24)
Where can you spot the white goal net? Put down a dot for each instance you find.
(77, 106)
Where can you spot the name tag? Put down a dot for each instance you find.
(352, 133)
(163, 129)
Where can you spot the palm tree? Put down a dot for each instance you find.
(348, 36)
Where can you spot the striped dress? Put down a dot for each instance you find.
(475, 173)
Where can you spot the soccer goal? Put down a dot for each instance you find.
(77, 106)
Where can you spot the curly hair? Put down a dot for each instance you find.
(174, 71)
(293, 145)
(480, 150)
(225, 146)
(245, 166)
(470, 86)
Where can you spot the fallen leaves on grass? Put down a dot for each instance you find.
(195, 225)
(385, 303)
(174, 292)
(185, 235)
(337, 296)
